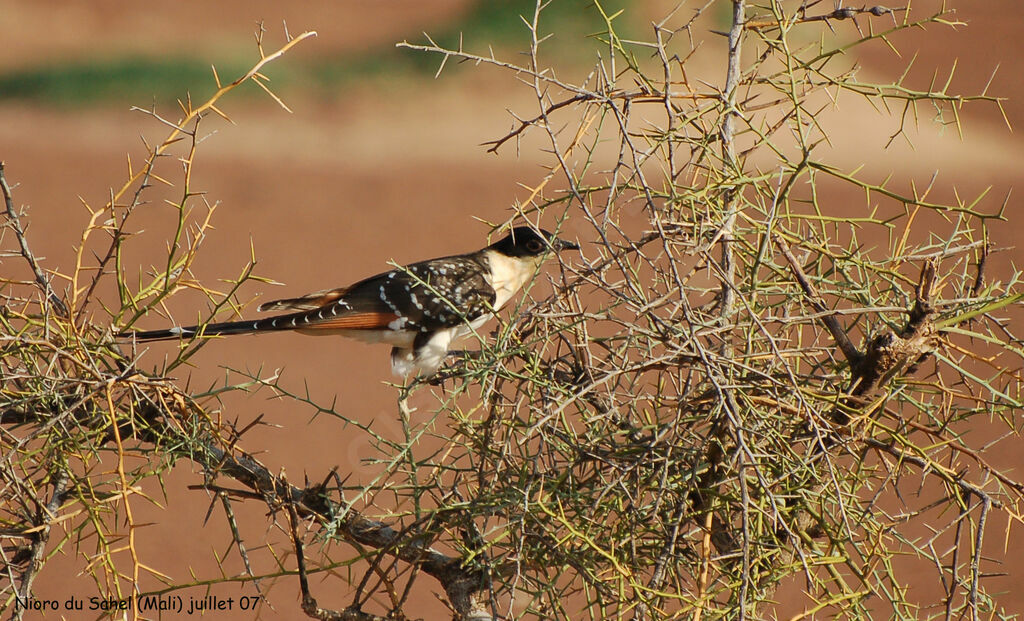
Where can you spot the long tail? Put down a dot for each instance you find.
(281, 322)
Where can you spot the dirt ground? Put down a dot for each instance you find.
(334, 191)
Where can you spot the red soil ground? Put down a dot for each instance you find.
(332, 192)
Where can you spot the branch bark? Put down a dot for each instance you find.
(461, 584)
(44, 518)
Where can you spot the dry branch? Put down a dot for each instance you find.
(14, 221)
(665, 429)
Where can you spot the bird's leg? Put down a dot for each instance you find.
(463, 355)
(439, 377)
(456, 369)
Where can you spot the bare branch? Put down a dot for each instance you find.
(15, 223)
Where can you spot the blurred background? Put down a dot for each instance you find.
(381, 161)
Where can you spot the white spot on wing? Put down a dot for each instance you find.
(384, 298)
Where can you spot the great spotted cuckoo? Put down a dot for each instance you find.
(420, 309)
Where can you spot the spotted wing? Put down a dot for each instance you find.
(422, 297)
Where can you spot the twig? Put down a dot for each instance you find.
(850, 351)
(309, 605)
(986, 501)
(460, 583)
(979, 279)
(494, 145)
(236, 537)
(48, 294)
(637, 96)
(44, 517)
(727, 131)
(979, 536)
(838, 14)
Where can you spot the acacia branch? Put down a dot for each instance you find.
(45, 516)
(309, 603)
(850, 351)
(838, 14)
(15, 222)
(461, 583)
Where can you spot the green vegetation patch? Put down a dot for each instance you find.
(128, 78)
(140, 79)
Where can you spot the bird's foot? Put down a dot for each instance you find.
(457, 368)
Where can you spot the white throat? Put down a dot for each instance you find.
(507, 275)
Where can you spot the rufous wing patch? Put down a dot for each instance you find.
(310, 301)
(353, 321)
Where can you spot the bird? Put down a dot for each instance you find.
(420, 309)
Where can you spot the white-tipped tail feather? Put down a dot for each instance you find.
(420, 310)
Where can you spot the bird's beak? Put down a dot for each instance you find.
(560, 245)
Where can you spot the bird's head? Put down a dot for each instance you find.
(530, 245)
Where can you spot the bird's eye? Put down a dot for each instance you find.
(534, 245)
